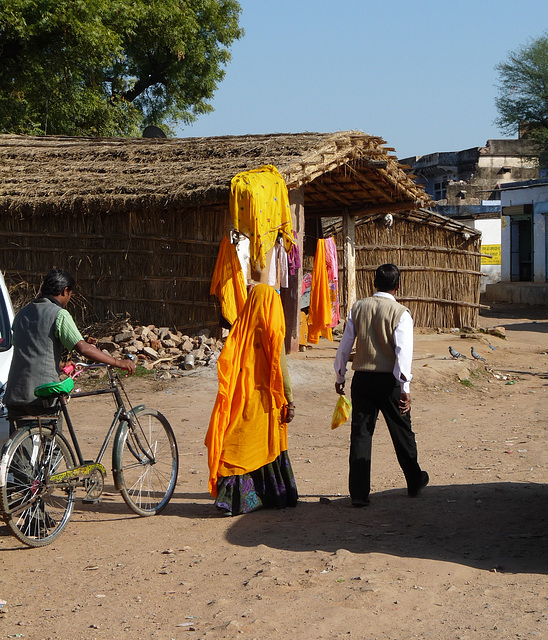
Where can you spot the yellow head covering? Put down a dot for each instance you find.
(259, 206)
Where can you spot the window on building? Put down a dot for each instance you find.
(440, 189)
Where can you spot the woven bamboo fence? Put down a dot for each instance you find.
(440, 267)
(121, 266)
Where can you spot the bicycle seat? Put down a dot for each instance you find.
(51, 389)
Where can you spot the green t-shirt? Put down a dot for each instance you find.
(66, 330)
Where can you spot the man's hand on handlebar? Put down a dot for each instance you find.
(126, 364)
(93, 353)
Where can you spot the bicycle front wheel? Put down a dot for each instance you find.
(145, 462)
(34, 509)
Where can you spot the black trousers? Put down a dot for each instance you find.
(373, 392)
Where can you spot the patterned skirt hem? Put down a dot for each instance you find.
(271, 486)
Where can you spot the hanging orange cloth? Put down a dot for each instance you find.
(319, 314)
(228, 282)
(245, 430)
(259, 206)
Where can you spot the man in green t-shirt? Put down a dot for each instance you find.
(40, 331)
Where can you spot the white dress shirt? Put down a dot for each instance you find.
(403, 339)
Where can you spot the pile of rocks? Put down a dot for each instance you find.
(166, 350)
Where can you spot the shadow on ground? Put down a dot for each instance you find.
(538, 327)
(497, 310)
(501, 526)
(498, 526)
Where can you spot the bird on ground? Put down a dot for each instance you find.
(455, 354)
(476, 355)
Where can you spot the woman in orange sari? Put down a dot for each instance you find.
(249, 466)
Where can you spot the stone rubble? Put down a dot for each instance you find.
(166, 350)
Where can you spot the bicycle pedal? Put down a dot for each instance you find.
(91, 500)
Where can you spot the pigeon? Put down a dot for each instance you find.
(455, 354)
(476, 355)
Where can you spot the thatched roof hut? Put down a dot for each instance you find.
(51, 175)
(139, 221)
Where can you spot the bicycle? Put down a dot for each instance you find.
(40, 470)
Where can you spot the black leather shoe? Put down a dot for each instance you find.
(425, 479)
(362, 502)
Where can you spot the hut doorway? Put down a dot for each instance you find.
(521, 249)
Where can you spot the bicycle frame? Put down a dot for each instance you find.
(120, 414)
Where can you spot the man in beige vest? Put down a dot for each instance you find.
(383, 331)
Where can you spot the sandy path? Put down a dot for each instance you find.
(466, 560)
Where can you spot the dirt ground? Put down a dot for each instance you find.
(466, 560)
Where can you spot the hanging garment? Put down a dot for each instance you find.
(333, 277)
(278, 276)
(319, 315)
(305, 293)
(294, 257)
(242, 249)
(259, 206)
(228, 282)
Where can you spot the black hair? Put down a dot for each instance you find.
(387, 277)
(56, 281)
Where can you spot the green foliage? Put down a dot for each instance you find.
(141, 372)
(110, 67)
(523, 92)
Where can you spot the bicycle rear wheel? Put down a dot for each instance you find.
(145, 462)
(35, 510)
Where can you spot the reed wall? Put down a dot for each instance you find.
(441, 268)
(155, 268)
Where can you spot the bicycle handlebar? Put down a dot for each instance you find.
(75, 369)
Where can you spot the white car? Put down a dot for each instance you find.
(6, 353)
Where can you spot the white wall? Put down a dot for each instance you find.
(490, 230)
(526, 195)
(490, 244)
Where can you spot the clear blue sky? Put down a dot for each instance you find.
(418, 73)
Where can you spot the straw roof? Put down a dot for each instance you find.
(48, 175)
(332, 226)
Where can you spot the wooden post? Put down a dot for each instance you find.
(291, 297)
(349, 260)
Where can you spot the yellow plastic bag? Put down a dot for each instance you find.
(342, 411)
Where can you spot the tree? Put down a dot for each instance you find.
(110, 67)
(523, 93)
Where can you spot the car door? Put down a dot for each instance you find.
(6, 352)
